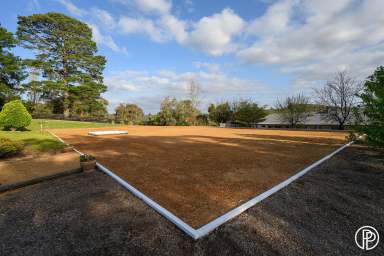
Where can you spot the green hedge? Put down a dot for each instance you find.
(9, 147)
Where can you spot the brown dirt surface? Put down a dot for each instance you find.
(200, 173)
(17, 170)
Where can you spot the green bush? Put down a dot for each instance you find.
(14, 115)
(9, 147)
(85, 158)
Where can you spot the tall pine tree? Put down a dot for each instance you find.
(66, 55)
(12, 70)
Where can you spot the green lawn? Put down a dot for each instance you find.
(36, 141)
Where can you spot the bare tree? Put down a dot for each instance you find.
(340, 96)
(294, 109)
(194, 93)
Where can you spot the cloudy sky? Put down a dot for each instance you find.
(253, 49)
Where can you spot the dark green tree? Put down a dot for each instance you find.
(248, 112)
(373, 107)
(85, 101)
(66, 54)
(12, 70)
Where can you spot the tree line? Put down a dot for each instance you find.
(65, 75)
(342, 100)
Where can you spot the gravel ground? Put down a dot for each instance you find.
(90, 214)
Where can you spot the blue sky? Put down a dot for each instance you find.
(254, 49)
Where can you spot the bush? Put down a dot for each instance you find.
(14, 115)
(9, 147)
(352, 136)
(85, 158)
(373, 108)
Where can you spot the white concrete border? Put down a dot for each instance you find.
(167, 214)
(207, 228)
(238, 210)
(164, 212)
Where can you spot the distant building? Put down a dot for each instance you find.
(314, 121)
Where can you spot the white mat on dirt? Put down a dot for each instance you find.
(99, 133)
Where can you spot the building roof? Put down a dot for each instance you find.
(313, 119)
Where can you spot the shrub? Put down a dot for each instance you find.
(9, 147)
(85, 158)
(351, 136)
(373, 108)
(14, 115)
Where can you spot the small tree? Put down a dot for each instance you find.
(14, 115)
(177, 112)
(220, 113)
(167, 114)
(373, 107)
(185, 112)
(129, 112)
(248, 112)
(294, 109)
(340, 96)
(194, 93)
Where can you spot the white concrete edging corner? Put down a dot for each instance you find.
(167, 214)
(164, 212)
(210, 226)
(204, 230)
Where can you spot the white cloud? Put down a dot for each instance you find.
(117, 82)
(72, 9)
(106, 40)
(211, 34)
(315, 39)
(275, 20)
(175, 27)
(130, 25)
(104, 18)
(148, 6)
(158, 6)
(214, 34)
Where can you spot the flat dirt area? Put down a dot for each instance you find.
(200, 173)
(16, 170)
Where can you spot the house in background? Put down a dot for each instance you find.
(314, 121)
